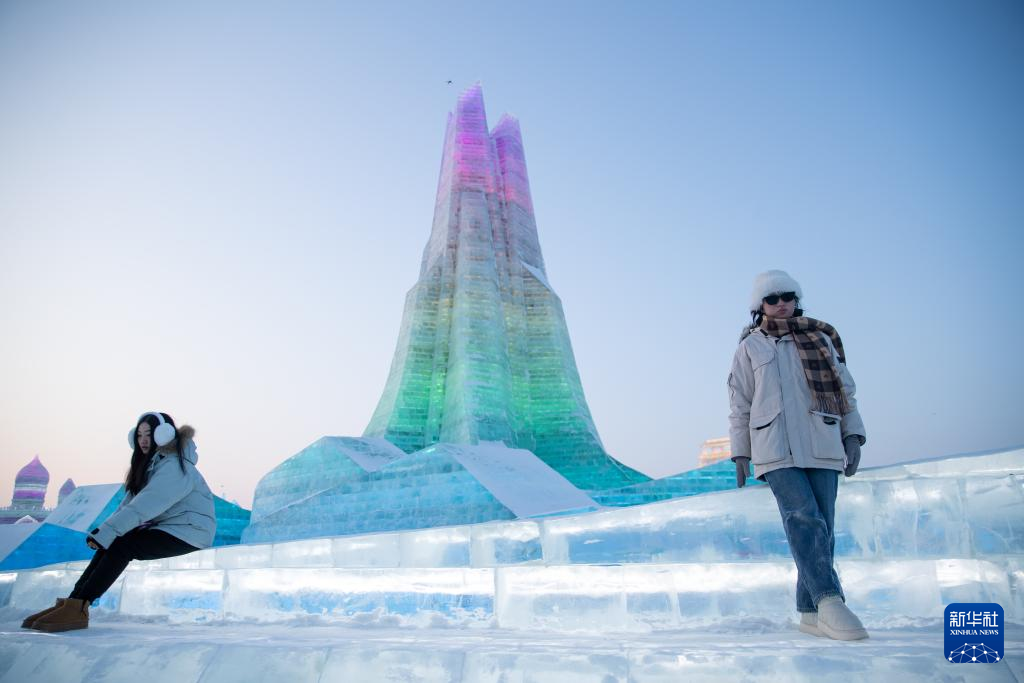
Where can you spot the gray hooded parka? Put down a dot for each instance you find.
(178, 503)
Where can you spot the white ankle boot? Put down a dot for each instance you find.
(809, 624)
(836, 620)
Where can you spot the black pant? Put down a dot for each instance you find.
(137, 544)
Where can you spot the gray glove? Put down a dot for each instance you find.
(742, 471)
(852, 445)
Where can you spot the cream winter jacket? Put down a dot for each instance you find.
(771, 421)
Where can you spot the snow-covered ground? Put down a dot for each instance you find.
(115, 650)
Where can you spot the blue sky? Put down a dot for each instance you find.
(217, 211)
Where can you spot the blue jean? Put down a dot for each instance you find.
(807, 503)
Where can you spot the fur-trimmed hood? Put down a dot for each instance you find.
(188, 447)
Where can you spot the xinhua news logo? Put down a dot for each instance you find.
(974, 633)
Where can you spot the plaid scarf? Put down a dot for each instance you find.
(822, 376)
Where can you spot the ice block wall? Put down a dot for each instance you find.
(911, 539)
(440, 485)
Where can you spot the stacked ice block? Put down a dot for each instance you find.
(369, 485)
(910, 540)
(719, 476)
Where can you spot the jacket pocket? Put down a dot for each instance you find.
(767, 438)
(760, 356)
(826, 436)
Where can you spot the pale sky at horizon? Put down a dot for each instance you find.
(216, 211)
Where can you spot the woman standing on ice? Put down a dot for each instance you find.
(168, 511)
(794, 414)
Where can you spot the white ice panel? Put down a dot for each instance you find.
(372, 550)
(414, 596)
(313, 552)
(441, 547)
(248, 664)
(523, 483)
(995, 514)
(238, 556)
(79, 510)
(987, 464)
(148, 565)
(638, 598)
(964, 580)
(714, 527)
(501, 543)
(200, 559)
(548, 665)
(186, 595)
(567, 599)
(39, 588)
(35, 589)
(167, 662)
(393, 662)
(37, 663)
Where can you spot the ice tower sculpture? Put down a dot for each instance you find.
(483, 408)
(484, 353)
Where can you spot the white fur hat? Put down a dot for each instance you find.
(773, 282)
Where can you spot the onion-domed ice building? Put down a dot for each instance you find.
(65, 490)
(29, 494)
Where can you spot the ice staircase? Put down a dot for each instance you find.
(709, 577)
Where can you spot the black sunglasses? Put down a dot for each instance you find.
(773, 299)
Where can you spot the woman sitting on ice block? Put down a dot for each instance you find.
(168, 511)
(794, 414)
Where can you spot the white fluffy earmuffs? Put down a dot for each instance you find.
(163, 435)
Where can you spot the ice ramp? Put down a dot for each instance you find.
(698, 587)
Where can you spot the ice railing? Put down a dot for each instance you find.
(906, 547)
(967, 507)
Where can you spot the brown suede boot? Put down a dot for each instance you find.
(73, 614)
(30, 619)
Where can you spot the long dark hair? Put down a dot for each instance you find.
(758, 315)
(136, 479)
